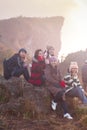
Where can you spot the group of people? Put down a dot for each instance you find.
(44, 70)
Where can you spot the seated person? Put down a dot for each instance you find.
(84, 75)
(37, 69)
(73, 86)
(16, 65)
(53, 79)
(49, 52)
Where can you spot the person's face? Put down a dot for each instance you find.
(54, 64)
(40, 54)
(74, 71)
(22, 55)
(52, 52)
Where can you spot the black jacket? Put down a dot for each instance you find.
(10, 64)
(84, 73)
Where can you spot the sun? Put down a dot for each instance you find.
(74, 31)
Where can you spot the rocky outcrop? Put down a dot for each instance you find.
(31, 33)
(17, 97)
(23, 106)
(21, 98)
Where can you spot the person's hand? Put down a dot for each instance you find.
(25, 62)
(62, 83)
(47, 61)
(74, 84)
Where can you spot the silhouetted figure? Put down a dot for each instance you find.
(84, 75)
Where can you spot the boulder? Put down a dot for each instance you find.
(20, 97)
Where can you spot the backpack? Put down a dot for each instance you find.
(6, 73)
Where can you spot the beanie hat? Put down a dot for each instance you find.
(73, 65)
(22, 50)
(52, 59)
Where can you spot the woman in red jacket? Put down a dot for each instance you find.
(37, 69)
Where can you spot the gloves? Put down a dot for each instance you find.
(62, 83)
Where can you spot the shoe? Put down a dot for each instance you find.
(53, 105)
(68, 116)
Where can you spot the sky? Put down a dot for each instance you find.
(74, 30)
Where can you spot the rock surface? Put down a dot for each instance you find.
(27, 107)
(30, 33)
(18, 96)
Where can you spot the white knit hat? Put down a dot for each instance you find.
(73, 65)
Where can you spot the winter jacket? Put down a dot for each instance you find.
(84, 73)
(37, 72)
(10, 64)
(53, 79)
(71, 81)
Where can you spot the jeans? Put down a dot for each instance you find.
(19, 71)
(77, 92)
(59, 98)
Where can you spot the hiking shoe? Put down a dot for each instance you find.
(53, 105)
(68, 116)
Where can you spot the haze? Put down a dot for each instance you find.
(74, 30)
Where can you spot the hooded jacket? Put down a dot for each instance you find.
(37, 72)
(53, 79)
(12, 63)
(84, 73)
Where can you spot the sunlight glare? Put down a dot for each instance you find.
(74, 31)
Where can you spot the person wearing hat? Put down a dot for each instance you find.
(73, 85)
(84, 75)
(53, 81)
(16, 65)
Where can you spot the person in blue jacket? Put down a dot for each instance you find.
(16, 65)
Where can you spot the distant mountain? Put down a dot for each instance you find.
(30, 33)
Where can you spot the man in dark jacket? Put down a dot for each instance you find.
(16, 65)
(84, 75)
(53, 79)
